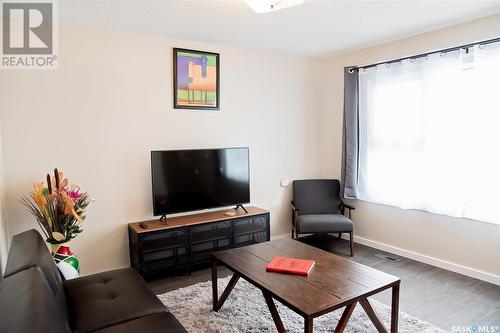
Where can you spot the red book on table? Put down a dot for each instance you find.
(290, 265)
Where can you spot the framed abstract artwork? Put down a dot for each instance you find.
(196, 80)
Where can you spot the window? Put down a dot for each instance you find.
(429, 134)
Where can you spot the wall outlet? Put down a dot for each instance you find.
(284, 183)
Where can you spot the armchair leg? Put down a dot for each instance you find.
(340, 235)
(351, 244)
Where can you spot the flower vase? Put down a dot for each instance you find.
(67, 263)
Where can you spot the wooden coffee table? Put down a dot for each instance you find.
(333, 283)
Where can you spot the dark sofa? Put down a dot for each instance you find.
(34, 299)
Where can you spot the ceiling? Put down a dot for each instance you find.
(314, 28)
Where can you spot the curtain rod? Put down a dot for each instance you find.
(466, 46)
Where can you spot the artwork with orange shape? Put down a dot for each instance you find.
(196, 79)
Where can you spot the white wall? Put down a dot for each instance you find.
(473, 244)
(4, 239)
(109, 104)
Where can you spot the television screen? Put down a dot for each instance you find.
(187, 180)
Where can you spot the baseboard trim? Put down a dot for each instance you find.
(457, 268)
(281, 236)
(464, 270)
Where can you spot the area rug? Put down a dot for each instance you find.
(246, 311)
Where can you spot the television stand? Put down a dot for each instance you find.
(240, 205)
(182, 242)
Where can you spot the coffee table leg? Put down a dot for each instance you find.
(216, 301)
(274, 312)
(308, 325)
(345, 318)
(365, 303)
(226, 291)
(395, 309)
(215, 293)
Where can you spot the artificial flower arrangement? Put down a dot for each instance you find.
(58, 207)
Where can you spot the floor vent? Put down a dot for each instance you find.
(388, 257)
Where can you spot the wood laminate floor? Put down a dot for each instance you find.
(443, 298)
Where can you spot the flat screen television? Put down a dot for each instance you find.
(188, 180)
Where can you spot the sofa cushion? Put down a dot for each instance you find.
(27, 304)
(104, 299)
(324, 223)
(157, 323)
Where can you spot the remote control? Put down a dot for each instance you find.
(143, 225)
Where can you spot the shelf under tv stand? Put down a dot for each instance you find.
(186, 240)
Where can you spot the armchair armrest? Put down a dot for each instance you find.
(295, 214)
(295, 221)
(350, 208)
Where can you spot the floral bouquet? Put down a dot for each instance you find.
(58, 207)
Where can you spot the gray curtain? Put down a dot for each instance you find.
(350, 137)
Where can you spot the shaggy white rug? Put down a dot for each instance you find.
(246, 311)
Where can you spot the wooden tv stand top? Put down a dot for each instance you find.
(185, 220)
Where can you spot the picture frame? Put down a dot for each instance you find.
(196, 76)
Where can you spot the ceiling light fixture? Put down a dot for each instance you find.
(265, 6)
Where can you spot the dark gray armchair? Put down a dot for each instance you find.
(317, 208)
